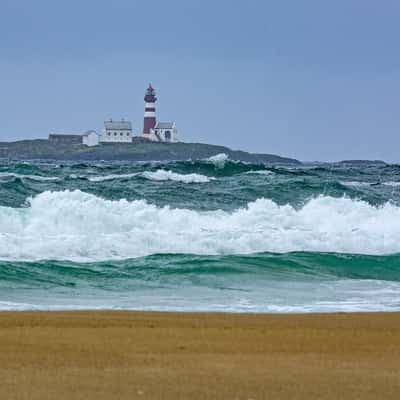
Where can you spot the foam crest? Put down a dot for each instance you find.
(32, 177)
(164, 175)
(219, 160)
(159, 175)
(112, 177)
(355, 183)
(391, 183)
(73, 225)
(260, 172)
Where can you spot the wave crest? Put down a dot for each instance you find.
(82, 227)
(159, 175)
(219, 160)
(165, 175)
(31, 177)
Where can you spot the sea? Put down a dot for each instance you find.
(199, 235)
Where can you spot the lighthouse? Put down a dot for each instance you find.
(153, 130)
(149, 122)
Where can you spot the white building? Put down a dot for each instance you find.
(116, 132)
(90, 138)
(164, 132)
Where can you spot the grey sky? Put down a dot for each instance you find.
(316, 80)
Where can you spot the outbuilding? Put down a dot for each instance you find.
(90, 138)
(166, 132)
(117, 132)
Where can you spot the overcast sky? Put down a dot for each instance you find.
(311, 79)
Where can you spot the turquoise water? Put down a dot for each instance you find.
(199, 235)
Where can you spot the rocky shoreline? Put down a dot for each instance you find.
(139, 150)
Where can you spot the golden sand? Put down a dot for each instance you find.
(146, 355)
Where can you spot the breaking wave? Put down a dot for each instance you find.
(355, 183)
(219, 160)
(391, 183)
(112, 177)
(164, 175)
(32, 177)
(260, 172)
(365, 184)
(159, 175)
(77, 226)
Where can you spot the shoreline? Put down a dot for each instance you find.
(178, 355)
(139, 149)
(194, 312)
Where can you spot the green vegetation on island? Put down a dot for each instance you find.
(139, 150)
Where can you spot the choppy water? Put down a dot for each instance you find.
(199, 235)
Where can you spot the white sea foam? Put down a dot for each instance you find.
(82, 227)
(164, 175)
(219, 160)
(355, 183)
(32, 177)
(260, 172)
(75, 176)
(159, 175)
(112, 177)
(390, 183)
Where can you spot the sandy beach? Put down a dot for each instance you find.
(152, 355)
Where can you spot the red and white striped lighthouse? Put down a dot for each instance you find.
(149, 111)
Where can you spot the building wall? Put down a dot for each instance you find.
(65, 138)
(149, 122)
(116, 136)
(151, 136)
(92, 139)
(167, 135)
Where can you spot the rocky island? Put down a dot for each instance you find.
(140, 149)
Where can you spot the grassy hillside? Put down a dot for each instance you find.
(139, 150)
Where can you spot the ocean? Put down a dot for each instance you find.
(205, 235)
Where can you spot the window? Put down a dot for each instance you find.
(121, 133)
(115, 133)
(167, 135)
(109, 133)
(127, 133)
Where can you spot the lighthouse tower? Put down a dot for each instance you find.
(149, 112)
